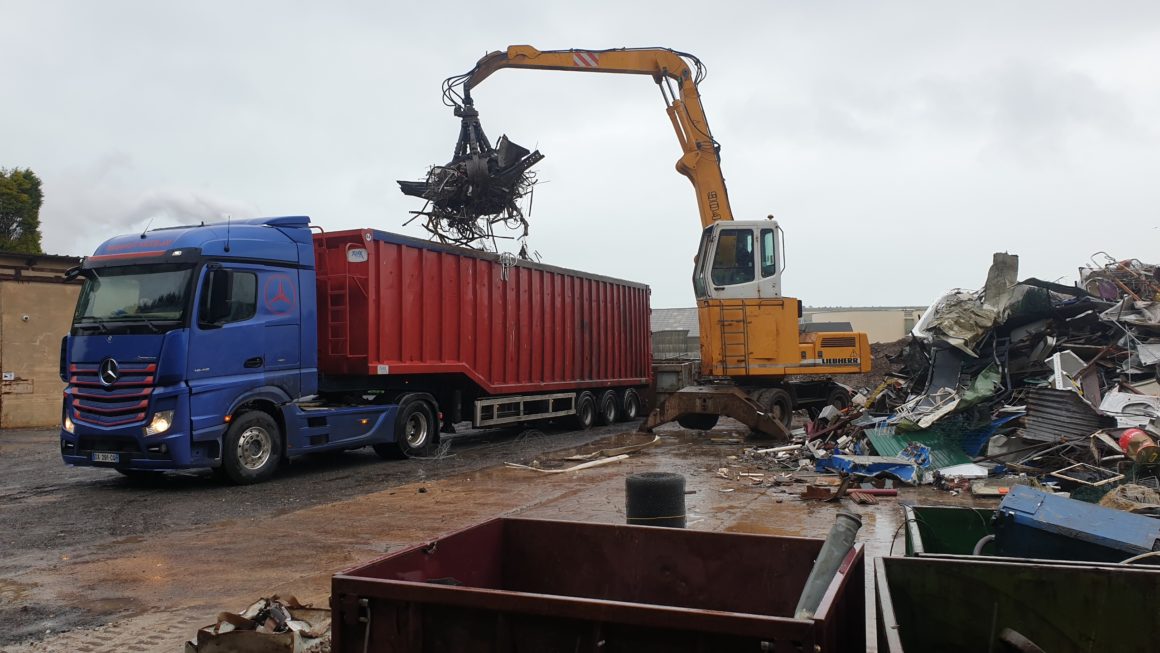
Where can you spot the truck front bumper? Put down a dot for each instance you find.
(127, 447)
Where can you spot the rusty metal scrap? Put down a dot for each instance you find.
(1110, 278)
(479, 190)
(861, 497)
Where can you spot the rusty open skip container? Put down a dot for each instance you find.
(540, 585)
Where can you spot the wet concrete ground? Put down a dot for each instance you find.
(93, 563)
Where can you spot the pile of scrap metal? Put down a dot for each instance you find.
(1055, 382)
(481, 187)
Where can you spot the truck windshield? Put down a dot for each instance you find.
(136, 298)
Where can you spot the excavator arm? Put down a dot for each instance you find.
(700, 161)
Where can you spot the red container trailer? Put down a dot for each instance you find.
(494, 339)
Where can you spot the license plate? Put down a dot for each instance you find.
(99, 457)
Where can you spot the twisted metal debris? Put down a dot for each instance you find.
(481, 187)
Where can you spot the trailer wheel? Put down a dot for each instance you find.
(698, 421)
(608, 408)
(253, 448)
(414, 431)
(585, 410)
(629, 405)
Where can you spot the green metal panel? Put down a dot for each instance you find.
(944, 450)
(954, 605)
(946, 529)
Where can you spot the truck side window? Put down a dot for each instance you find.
(228, 296)
(768, 254)
(733, 260)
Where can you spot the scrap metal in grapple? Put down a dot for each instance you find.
(479, 188)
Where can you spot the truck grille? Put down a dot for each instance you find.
(125, 401)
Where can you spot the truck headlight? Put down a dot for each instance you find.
(67, 424)
(162, 420)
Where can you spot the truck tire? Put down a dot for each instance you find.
(629, 405)
(585, 411)
(252, 448)
(608, 408)
(415, 429)
(698, 421)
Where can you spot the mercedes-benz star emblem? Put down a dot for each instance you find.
(109, 372)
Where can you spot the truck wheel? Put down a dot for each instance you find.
(629, 405)
(698, 421)
(609, 410)
(253, 448)
(585, 411)
(414, 431)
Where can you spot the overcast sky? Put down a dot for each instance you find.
(898, 143)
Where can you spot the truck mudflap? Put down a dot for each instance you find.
(726, 400)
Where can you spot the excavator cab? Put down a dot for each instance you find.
(740, 259)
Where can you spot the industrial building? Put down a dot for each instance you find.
(36, 307)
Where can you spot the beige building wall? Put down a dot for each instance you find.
(880, 324)
(36, 309)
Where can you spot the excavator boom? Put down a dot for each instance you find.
(700, 160)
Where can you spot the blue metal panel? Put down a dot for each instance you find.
(307, 333)
(272, 239)
(338, 428)
(1035, 524)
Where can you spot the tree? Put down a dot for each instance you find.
(20, 200)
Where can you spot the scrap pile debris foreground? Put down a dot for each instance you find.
(1022, 382)
(481, 187)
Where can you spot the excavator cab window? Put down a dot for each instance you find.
(699, 264)
(733, 260)
(768, 254)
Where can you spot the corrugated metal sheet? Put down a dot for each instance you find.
(944, 451)
(399, 306)
(1053, 414)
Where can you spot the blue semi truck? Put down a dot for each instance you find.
(199, 347)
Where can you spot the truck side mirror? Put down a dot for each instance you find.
(79, 271)
(215, 300)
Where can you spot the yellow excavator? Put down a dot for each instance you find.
(751, 340)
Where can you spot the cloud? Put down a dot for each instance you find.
(1030, 110)
(900, 144)
(87, 204)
